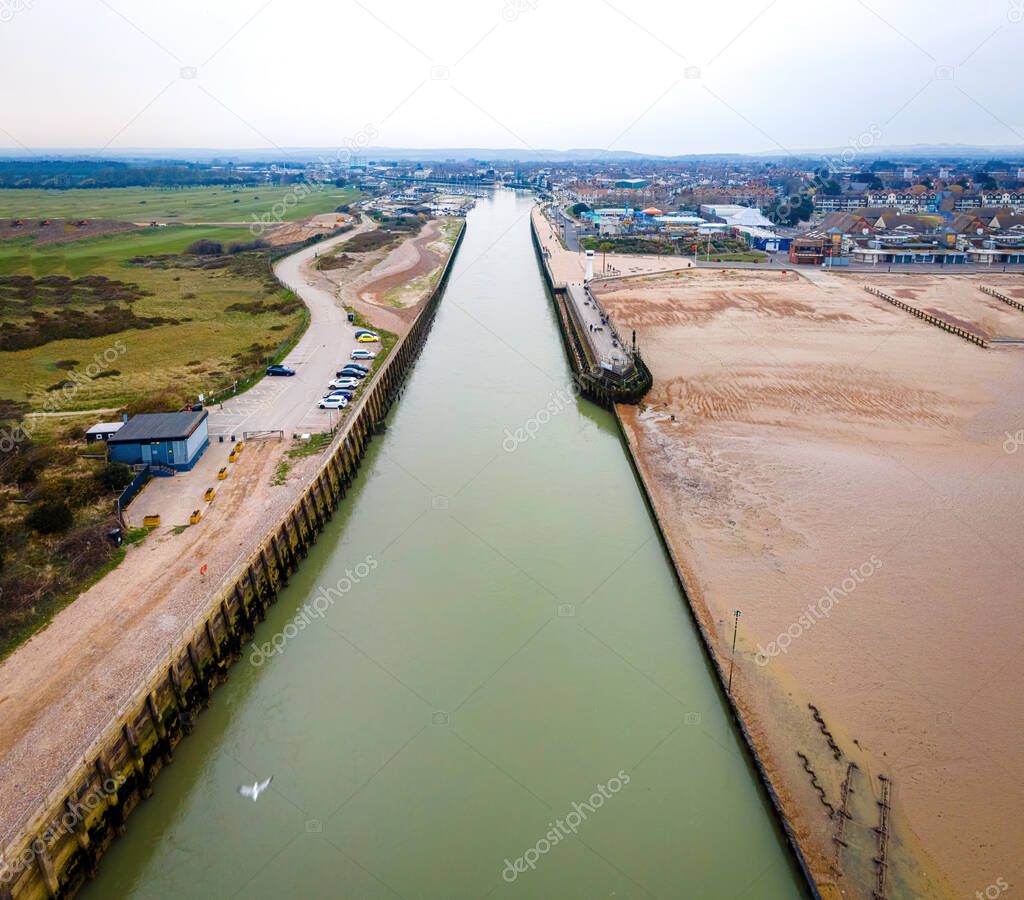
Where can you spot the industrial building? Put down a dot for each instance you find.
(174, 440)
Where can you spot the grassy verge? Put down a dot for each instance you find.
(281, 472)
(315, 444)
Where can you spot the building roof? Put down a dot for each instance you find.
(175, 426)
(105, 427)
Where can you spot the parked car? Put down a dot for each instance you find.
(280, 370)
(333, 403)
(350, 373)
(367, 339)
(339, 393)
(353, 365)
(344, 383)
(363, 354)
(361, 331)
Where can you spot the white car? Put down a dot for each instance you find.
(340, 383)
(333, 403)
(363, 354)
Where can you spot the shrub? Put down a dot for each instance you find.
(205, 247)
(115, 476)
(50, 517)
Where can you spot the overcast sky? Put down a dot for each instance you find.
(646, 75)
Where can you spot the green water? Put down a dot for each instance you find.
(513, 643)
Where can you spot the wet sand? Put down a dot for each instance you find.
(841, 473)
(364, 286)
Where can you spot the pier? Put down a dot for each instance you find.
(605, 369)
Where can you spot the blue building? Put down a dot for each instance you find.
(176, 440)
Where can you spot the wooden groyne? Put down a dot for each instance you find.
(593, 382)
(928, 317)
(1009, 301)
(57, 849)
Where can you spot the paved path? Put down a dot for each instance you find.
(290, 403)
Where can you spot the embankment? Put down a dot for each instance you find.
(57, 849)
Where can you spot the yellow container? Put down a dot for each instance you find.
(239, 447)
(232, 456)
(195, 517)
(150, 521)
(210, 494)
(222, 474)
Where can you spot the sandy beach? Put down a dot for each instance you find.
(849, 478)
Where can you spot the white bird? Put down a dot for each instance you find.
(255, 789)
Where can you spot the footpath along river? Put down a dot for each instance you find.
(499, 691)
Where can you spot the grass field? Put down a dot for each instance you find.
(197, 354)
(198, 204)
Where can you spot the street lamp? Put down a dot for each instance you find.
(732, 659)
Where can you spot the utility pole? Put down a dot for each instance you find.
(732, 659)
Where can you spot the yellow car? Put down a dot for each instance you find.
(367, 339)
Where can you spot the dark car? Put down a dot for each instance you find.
(361, 368)
(349, 373)
(280, 370)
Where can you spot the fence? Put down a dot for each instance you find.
(140, 480)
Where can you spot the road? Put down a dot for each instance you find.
(290, 403)
(569, 231)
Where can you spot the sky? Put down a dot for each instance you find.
(645, 75)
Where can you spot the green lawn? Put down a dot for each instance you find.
(194, 204)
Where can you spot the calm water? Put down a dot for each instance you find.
(518, 645)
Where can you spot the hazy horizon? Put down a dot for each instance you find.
(250, 75)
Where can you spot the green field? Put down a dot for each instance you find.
(206, 348)
(193, 204)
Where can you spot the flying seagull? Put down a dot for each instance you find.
(255, 789)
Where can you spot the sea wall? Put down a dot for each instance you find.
(57, 850)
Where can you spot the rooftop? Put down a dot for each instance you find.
(174, 426)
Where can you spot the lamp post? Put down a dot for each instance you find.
(732, 659)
